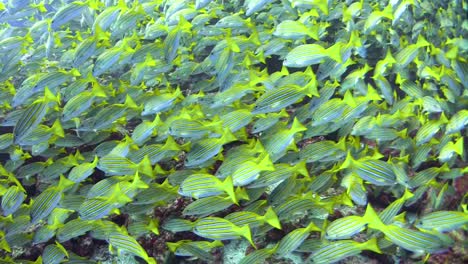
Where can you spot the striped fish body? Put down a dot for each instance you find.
(294, 239)
(377, 172)
(145, 130)
(442, 221)
(106, 18)
(116, 165)
(406, 55)
(54, 253)
(230, 164)
(155, 153)
(236, 120)
(12, 200)
(128, 244)
(278, 142)
(41, 134)
(249, 171)
(320, 150)
(74, 228)
(188, 128)
(279, 98)
(330, 111)
(253, 6)
(427, 131)
(254, 220)
(171, 44)
(335, 251)
(77, 105)
(202, 245)
(204, 185)
(264, 123)
(388, 214)
(67, 13)
(81, 172)
(84, 51)
(202, 151)
(289, 29)
(106, 117)
(294, 206)
(106, 60)
(51, 80)
(207, 206)
(95, 208)
(45, 203)
(345, 227)
(280, 173)
(125, 21)
(457, 122)
(413, 240)
(29, 120)
(305, 55)
(206, 149)
(6, 140)
(220, 229)
(157, 104)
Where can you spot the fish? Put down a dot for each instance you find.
(33, 116)
(125, 243)
(81, 172)
(442, 221)
(280, 173)
(249, 170)
(54, 253)
(345, 227)
(74, 228)
(294, 239)
(187, 127)
(90, 46)
(98, 207)
(290, 29)
(206, 149)
(457, 122)
(407, 54)
(280, 140)
(389, 214)
(310, 54)
(376, 16)
(409, 239)
(374, 171)
(265, 121)
(254, 220)
(259, 256)
(160, 103)
(282, 97)
(323, 151)
(145, 130)
(44, 134)
(156, 152)
(12, 198)
(144, 226)
(48, 200)
(237, 119)
(203, 185)
(118, 165)
(221, 229)
(332, 252)
(208, 205)
(180, 248)
(252, 6)
(449, 149)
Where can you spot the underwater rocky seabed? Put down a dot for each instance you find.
(298, 131)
